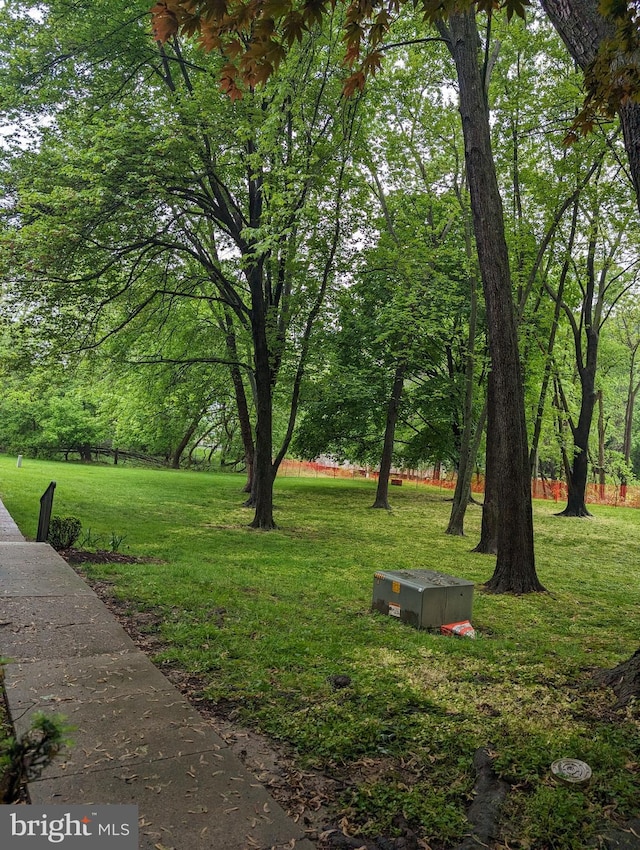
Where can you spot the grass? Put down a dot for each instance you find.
(265, 619)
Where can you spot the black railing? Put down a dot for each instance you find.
(46, 504)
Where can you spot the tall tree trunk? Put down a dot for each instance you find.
(630, 120)
(602, 478)
(632, 393)
(628, 418)
(587, 363)
(576, 497)
(461, 495)
(382, 491)
(515, 566)
(469, 442)
(184, 442)
(562, 408)
(488, 543)
(263, 460)
(558, 297)
(242, 406)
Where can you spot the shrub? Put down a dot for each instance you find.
(64, 531)
(23, 760)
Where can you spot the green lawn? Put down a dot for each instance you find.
(296, 611)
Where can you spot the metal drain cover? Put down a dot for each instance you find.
(571, 771)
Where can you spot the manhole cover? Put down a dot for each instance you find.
(571, 771)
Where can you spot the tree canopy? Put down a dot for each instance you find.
(226, 259)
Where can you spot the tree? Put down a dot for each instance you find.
(427, 267)
(515, 566)
(471, 430)
(45, 411)
(627, 329)
(382, 490)
(603, 275)
(515, 569)
(166, 411)
(533, 86)
(385, 352)
(150, 191)
(601, 46)
(416, 151)
(395, 359)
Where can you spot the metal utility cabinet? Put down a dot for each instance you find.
(425, 599)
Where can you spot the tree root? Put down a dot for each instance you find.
(489, 794)
(623, 679)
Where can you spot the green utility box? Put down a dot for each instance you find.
(425, 599)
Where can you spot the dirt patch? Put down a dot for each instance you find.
(310, 797)
(142, 626)
(101, 556)
(307, 796)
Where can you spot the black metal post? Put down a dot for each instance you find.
(46, 505)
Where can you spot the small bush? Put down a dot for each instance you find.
(64, 531)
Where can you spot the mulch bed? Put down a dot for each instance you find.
(100, 556)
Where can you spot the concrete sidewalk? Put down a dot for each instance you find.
(136, 739)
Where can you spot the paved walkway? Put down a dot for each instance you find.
(136, 739)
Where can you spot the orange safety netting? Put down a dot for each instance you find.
(603, 494)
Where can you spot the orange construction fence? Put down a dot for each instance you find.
(541, 488)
